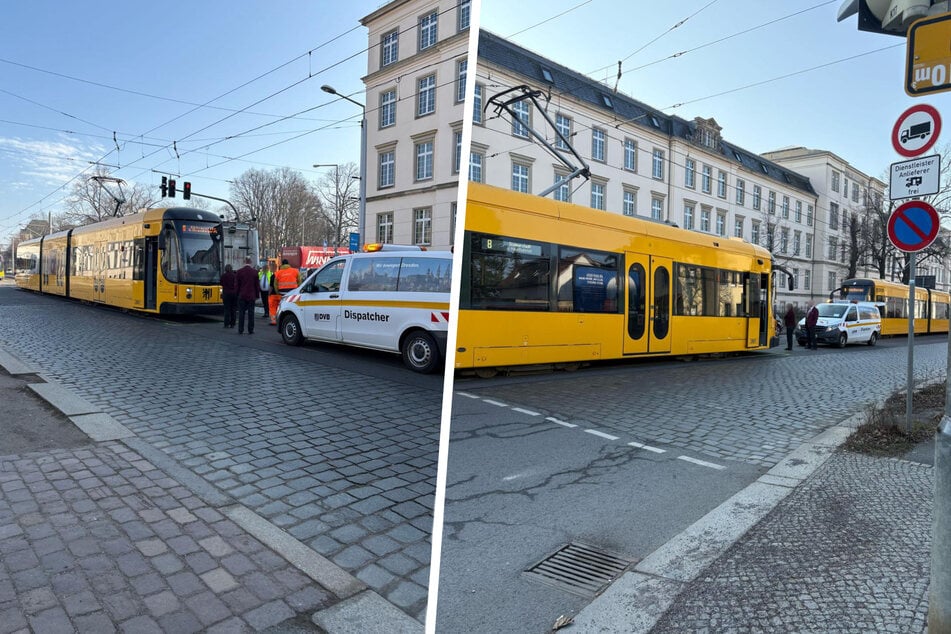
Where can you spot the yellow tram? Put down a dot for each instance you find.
(164, 261)
(932, 307)
(551, 283)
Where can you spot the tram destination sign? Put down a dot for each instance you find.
(917, 177)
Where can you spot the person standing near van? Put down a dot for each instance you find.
(247, 295)
(265, 283)
(286, 279)
(229, 294)
(789, 321)
(812, 317)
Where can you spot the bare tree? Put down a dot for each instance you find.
(339, 192)
(284, 205)
(101, 196)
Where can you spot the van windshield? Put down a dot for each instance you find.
(832, 310)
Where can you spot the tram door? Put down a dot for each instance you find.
(99, 277)
(648, 304)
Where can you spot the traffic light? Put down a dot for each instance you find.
(891, 17)
(187, 190)
(164, 186)
(171, 188)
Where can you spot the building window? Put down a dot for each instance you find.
(522, 118)
(475, 167)
(754, 232)
(798, 211)
(427, 30)
(690, 173)
(808, 246)
(387, 108)
(808, 215)
(597, 195)
(387, 169)
(657, 164)
(464, 11)
(833, 249)
(563, 125)
(384, 227)
(771, 202)
(845, 220)
(477, 104)
(688, 216)
(796, 242)
(835, 181)
(630, 155)
(845, 188)
(738, 227)
(721, 223)
(806, 280)
(563, 193)
(706, 179)
(855, 194)
(597, 144)
(424, 161)
(457, 154)
(705, 219)
(721, 184)
(389, 47)
(461, 80)
(426, 96)
(629, 203)
(657, 208)
(783, 240)
(520, 177)
(832, 281)
(740, 192)
(833, 216)
(757, 197)
(423, 226)
(786, 207)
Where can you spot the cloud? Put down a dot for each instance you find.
(45, 163)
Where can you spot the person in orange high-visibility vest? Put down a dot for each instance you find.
(286, 279)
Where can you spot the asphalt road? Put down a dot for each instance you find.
(537, 462)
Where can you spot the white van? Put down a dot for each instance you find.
(394, 299)
(841, 323)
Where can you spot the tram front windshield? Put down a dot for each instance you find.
(857, 293)
(192, 253)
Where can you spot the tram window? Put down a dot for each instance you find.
(661, 302)
(509, 274)
(138, 260)
(587, 281)
(635, 301)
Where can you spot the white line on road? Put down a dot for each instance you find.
(467, 395)
(525, 411)
(595, 432)
(646, 447)
(560, 422)
(700, 462)
(491, 402)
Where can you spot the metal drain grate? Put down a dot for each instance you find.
(579, 568)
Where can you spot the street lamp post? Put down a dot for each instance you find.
(337, 210)
(362, 210)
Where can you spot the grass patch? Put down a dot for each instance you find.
(883, 432)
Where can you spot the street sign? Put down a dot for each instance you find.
(928, 56)
(918, 177)
(354, 242)
(913, 226)
(916, 130)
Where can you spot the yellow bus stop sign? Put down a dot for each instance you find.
(928, 65)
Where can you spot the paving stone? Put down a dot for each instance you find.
(268, 615)
(208, 608)
(52, 621)
(219, 580)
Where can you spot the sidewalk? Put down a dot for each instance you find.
(100, 532)
(827, 541)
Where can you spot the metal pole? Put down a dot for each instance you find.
(910, 382)
(939, 598)
(362, 210)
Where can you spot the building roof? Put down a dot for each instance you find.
(543, 73)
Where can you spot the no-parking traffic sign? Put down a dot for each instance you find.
(913, 226)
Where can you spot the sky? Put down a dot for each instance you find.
(772, 73)
(185, 87)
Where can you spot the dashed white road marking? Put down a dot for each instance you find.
(595, 432)
(467, 395)
(702, 463)
(560, 422)
(526, 411)
(647, 447)
(491, 402)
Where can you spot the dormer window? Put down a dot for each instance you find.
(546, 75)
(706, 133)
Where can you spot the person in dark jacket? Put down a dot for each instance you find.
(247, 295)
(789, 321)
(812, 317)
(229, 294)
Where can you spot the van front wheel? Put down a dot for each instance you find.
(843, 339)
(420, 352)
(290, 331)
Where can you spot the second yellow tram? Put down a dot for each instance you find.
(552, 283)
(931, 310)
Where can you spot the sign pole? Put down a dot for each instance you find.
(910, 384)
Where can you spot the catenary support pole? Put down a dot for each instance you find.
(939, 598)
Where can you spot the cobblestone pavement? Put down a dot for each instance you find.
(98, 539)
(344, 462)
(755, 409)
(847, 551)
